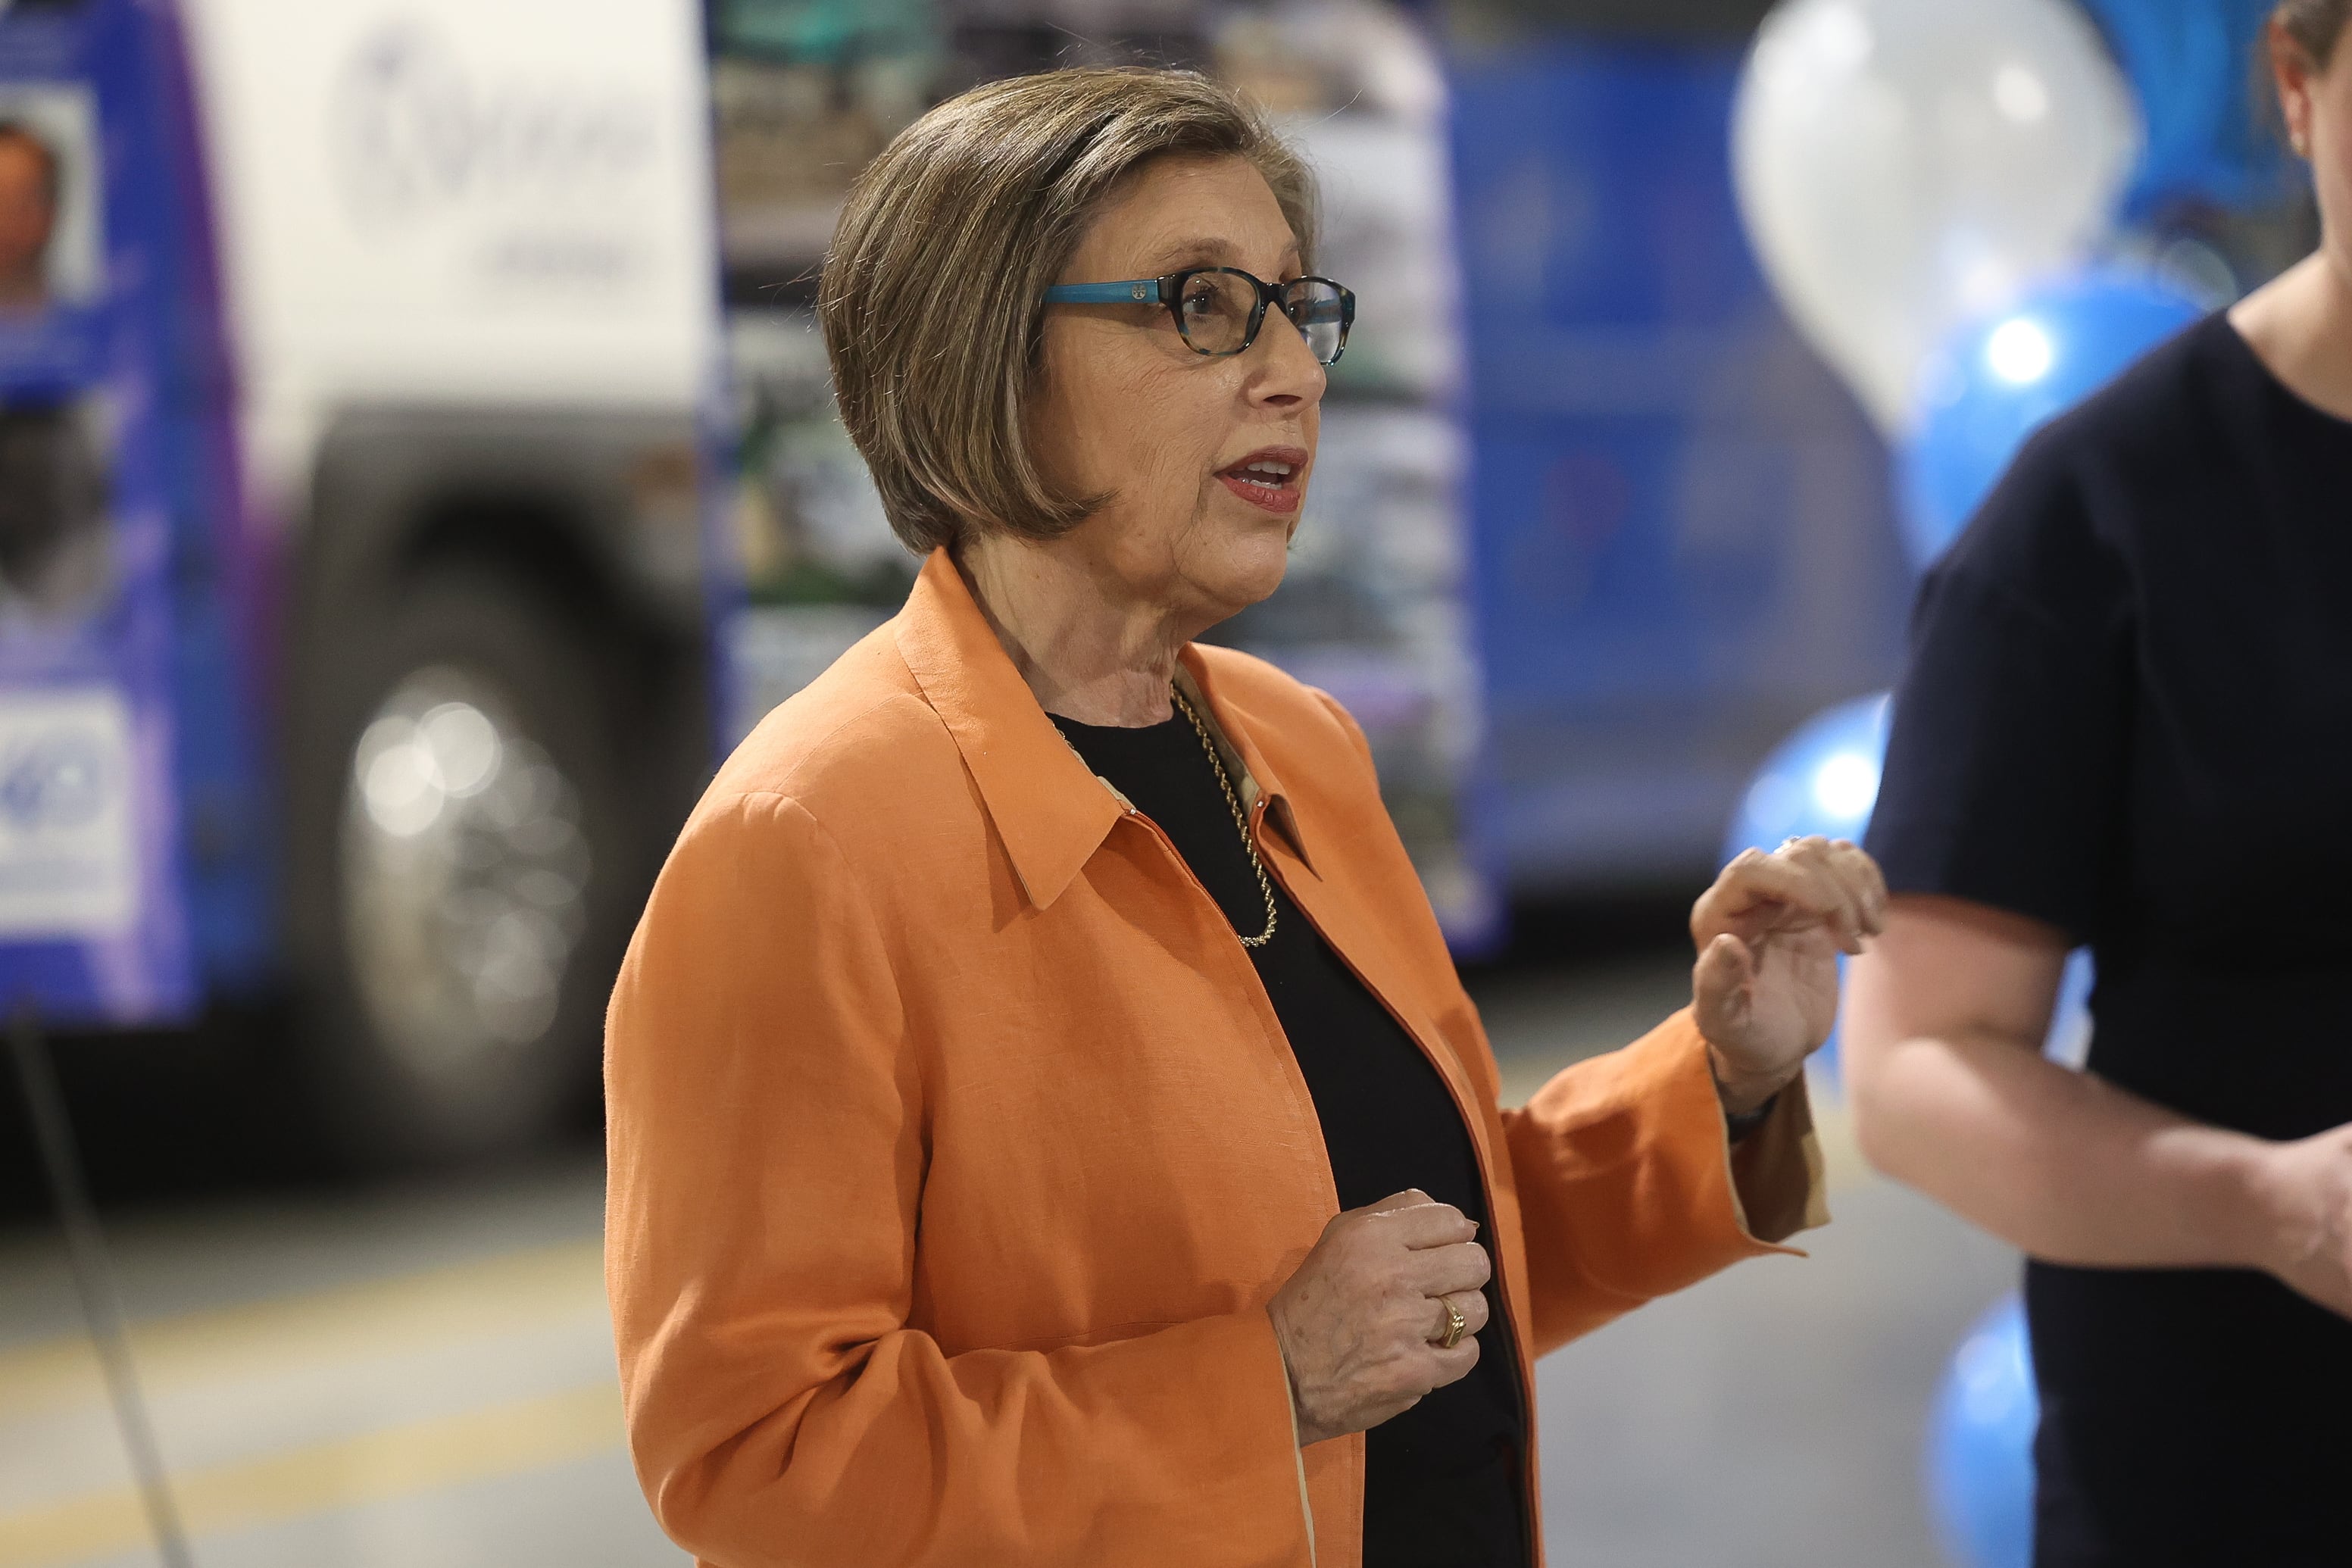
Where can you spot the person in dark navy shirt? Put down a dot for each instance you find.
(2127, 723)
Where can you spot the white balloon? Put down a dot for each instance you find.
(1903, 164)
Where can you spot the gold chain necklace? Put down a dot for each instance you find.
(1264, 883)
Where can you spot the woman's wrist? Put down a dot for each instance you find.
(2235, 1201)
(1746, 1094)
(2286, 1203)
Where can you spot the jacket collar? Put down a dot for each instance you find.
(1232, 726)
(1051, 811)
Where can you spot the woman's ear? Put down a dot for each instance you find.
(2296, 76)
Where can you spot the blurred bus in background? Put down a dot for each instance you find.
(420, 465)
(1592, 527)
(351, 606)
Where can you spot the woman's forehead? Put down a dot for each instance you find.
(1193, 212)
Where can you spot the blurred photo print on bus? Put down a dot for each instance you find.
(48, 198)
(54, 544)
(28, 217)
(54, 534)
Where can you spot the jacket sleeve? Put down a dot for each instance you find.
(766, 1142)
(1626, 1182)
(1629, 1187)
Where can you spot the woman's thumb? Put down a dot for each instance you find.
(1724, 971)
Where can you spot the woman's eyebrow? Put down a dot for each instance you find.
(1185, 253)
(1176, 256)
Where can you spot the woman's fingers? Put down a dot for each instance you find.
(1834, 897)
(1411, 1197)
(1861, 875)
(1470, 1304)
(1860, 884)
(1440, 1270)
(1809, 876)
(1352, 1319)
(1790, 877)
(1416, 1220)
(1453, 1365)
(1719, 984)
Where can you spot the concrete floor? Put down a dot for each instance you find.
(422, 1376)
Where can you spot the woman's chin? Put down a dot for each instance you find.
(1251, 568)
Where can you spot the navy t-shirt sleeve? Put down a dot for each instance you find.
(2004, 781)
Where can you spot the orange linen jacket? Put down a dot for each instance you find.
(956, 1150)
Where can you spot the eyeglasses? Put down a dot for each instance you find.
(1220, 308)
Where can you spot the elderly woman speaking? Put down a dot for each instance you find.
(1046, 1128)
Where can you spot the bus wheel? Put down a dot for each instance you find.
(479, 856)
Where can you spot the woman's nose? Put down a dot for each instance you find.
(1287, 371)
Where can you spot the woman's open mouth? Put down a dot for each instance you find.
(1268, 479)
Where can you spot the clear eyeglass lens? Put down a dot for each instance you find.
(1318, 310)
(1215, 308)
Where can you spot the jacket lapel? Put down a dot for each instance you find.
(1049, 810)
(1344, 915)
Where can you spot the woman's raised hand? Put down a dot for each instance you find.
(1360, 1322)
(1768, 932)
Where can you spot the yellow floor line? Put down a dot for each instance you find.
(460, 1303)
(374, 1466)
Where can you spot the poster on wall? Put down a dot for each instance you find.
(92, 925)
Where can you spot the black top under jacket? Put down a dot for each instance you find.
(1442, 1481)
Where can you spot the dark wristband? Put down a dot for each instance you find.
(1748, 1121)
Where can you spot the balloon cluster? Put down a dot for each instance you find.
(1997, 380)
(1928, 186)
(1903, 166)
(1913, 176)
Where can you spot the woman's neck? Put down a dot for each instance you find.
(1089, 651)
(2300, 325)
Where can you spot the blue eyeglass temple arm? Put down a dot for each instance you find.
(1125, 293)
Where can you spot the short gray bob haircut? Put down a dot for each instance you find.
(930, 295)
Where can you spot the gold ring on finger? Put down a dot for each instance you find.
(1455, 1324)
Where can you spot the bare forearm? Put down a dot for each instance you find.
(2061, 1164)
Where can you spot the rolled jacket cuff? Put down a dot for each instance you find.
(1780, 1184)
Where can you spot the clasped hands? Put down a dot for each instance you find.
(1361, 1323)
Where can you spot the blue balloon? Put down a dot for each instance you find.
(2193, 65)
(1979, 1457)
(1998, 378)
(2069, 1041)
(1824, 779)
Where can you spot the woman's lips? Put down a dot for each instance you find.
(1268, 479)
